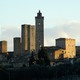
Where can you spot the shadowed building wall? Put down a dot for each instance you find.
(55, 52)
(39, 23)
(78, 51)
(17, 46)
(28, 38)
(3, 47)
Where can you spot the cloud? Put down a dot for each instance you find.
(8, 33)
(68, 29)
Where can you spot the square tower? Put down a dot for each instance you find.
(39, 22)
(28, 38)
(69, 45)
(3, 47)
(17, 46)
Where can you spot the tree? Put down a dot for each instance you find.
(43, 57)
(32, 59)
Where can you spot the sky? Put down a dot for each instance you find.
(61, 19)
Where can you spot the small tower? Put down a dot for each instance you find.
(39, 23)
(3, 47)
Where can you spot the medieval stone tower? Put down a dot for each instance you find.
(39, 23)
(27, 38)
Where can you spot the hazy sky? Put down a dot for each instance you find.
(61, 18)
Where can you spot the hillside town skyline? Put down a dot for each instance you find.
(19, 32)
(32, 39)
(34, 26)
(40, 40)
(62, 19)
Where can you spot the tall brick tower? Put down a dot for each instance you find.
(39, 23)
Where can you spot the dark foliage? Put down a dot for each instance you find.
(43, 57)
(41, 72)
(32, 59)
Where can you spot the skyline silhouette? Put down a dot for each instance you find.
(62, 19)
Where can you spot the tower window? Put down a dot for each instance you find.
(39, 23)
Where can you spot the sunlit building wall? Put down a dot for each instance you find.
(3, 47)
(69, 45)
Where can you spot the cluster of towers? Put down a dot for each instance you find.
(32, 37)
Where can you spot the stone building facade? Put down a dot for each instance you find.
(55, 52)
(17, 46)
(58, 54)
(27, 38)
(69, 45)
(3, 47)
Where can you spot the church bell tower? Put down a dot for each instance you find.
(39, 23)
